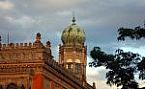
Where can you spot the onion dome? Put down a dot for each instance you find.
(73, 34)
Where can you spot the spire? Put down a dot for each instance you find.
(8, 38)
(73, 20)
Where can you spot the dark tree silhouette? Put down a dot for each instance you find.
(135, 33)
(122, 66)
(141, 69)
(133, 85)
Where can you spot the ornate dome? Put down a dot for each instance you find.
(73, 34)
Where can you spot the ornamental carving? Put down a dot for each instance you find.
(16, 56)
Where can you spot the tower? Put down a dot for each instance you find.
(72, 52)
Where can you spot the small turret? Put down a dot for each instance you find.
(37, 42)
(94, 85)
(48, 44)
(38, 38)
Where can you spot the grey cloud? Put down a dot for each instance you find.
(100, 76)
(99, 18)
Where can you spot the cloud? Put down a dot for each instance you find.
(6, 5)
(24, 21)
(135, 50)
(97, 75)
(141, 83)
(99, 18)
(62, 3)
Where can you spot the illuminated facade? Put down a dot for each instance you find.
(72, 54)
(31, 66)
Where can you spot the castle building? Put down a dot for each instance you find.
(31, 65)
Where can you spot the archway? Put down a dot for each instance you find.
(12, 86)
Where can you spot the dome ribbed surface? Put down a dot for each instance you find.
(73, 34)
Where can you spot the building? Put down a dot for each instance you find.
(31, 65)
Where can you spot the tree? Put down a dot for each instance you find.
(122, 65)
(135, 33)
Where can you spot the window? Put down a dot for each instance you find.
(69, 66)
(78, 68)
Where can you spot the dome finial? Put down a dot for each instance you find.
(73, 20)
(38, 38)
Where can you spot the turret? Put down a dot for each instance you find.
(72, 52)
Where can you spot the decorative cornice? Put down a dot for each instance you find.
(22, 46)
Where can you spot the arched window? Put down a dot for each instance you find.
(69, 66)
(78, 68)
(12, 86)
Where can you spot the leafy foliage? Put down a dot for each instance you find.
(141, 68)
(122, 66)
(136, 33)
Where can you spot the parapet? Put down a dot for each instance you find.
(37, 44)
(22, 46)
(25, 51)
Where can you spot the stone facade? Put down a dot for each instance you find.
(73, 58)
(31, 66)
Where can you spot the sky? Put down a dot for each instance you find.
(100, 19)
